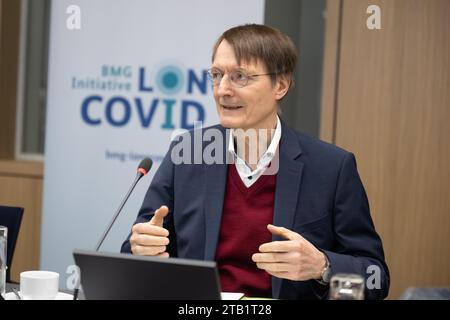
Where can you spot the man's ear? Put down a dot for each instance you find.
(282, 87)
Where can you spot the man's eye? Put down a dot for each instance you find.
(239, 76)
(216, 74)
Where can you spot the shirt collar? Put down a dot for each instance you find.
(271, 150)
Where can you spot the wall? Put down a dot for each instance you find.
(9, 52)
(304, 22)
(21, 185)
(20, 182)
(386, 98)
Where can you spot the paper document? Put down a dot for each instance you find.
(231, 295)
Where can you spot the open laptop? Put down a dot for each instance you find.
(125, 276)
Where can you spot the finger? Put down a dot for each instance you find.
(147, 250)
(283, 232)
(273, 267)
(277, 246)
(158, 217)
(149, 240)
(147, 228)
(163, 255)
(270, 257)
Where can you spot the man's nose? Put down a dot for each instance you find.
(224, 87)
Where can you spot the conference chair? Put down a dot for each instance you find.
(11, 217)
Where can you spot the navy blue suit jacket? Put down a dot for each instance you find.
(318, 194)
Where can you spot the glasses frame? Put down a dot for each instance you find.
(237, 85)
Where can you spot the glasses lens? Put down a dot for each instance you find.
(214, 76)
(239, 78)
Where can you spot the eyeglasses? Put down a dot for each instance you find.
(238, 77)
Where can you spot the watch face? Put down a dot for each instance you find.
(327, 275)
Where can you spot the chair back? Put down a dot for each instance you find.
(11, 217)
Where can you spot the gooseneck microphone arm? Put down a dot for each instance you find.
(105, 233)
(143, 168)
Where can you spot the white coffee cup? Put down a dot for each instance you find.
(39, 285)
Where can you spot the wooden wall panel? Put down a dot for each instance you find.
(9, 53)
(393, 112)
(21, 185)
(330, 70)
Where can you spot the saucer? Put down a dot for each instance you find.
(59, 296)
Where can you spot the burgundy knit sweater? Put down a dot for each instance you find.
(246, 214)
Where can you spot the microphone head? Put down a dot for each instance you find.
(145, 165)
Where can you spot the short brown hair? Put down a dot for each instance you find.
(255, 42)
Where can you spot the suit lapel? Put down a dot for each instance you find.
(215, 185)
(287, 188)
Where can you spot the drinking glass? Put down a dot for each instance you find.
(346, 286)
(3, 252)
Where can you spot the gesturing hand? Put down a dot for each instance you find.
(151, 238)
(294, 259)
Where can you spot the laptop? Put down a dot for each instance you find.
(114, 276)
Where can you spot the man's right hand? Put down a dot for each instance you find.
(150, 238)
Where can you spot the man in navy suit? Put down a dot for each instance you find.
(279, 216)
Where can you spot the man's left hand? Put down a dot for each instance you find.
(293, 259)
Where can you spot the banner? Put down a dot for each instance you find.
(123, 75)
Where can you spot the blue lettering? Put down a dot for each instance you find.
(142, 86)
(84, 110)
(185, 105)
(202, 84)
(117, 112)
(116, 71)
(127, 72)
(146, 120)
(109, 111)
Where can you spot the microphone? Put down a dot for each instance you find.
(142, 170)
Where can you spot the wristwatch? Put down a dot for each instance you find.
(325, 275)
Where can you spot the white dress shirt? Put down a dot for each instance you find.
(248, 176)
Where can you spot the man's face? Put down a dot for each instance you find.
(252, 106)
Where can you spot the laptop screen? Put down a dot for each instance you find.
(125, 276)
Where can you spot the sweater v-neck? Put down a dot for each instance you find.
(239, 184)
